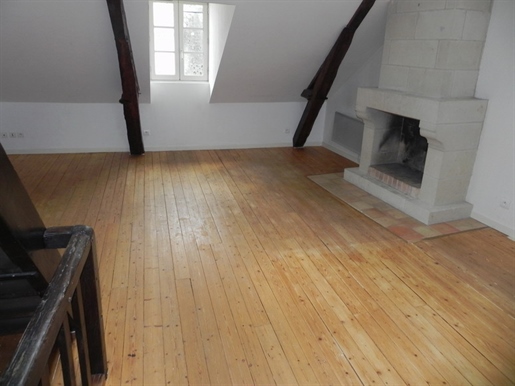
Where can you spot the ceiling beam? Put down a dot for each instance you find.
(130, 87)
(319, 88)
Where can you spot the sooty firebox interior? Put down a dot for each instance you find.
(403, 137)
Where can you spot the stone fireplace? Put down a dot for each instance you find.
(426, 91)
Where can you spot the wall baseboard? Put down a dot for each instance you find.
(341, 151)
(232, 146)
(66, 151)
(494, 224)
(155, 149)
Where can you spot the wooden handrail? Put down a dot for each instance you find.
(75, 281)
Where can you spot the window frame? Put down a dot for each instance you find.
(179, 42)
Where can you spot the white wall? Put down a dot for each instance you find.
(62, 127)
(493, 178)
(179, 117)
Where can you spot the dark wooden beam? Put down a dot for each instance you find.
(130, 88)
(319, 88)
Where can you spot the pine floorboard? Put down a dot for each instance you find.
(232, 267)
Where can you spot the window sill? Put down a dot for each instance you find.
(180, 81)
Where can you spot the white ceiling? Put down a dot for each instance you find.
(63, 50)
(274, 48)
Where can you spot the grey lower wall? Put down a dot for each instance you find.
(348, 132)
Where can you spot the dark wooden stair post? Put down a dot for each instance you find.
(319, 88)
(130, 88)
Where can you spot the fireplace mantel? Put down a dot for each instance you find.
(452, 128)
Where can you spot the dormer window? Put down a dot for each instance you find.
(178, 46)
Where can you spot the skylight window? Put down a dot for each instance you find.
(179, 33)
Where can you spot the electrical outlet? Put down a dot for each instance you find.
(505, 203)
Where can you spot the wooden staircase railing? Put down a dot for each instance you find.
(70, 303)
(53, 300)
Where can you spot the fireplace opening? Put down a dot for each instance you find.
(403, 139)
(452, 127)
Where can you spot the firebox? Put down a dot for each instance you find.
(408, 155)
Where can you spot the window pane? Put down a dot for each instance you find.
(164, 63)
(193, 40)
(193, 64)
(193, 19)
(164, 39)
(163, 14)
(199, 8)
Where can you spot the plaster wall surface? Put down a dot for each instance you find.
(180, 117)
(493, 176)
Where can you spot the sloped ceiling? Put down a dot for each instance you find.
(274, 48)
(63, 50)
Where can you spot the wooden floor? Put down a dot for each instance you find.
(232, 267)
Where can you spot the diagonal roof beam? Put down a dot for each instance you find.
(130, 88)
(319, 88)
